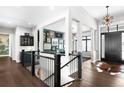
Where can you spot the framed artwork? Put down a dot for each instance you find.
(52, 34)
(54, 41)
(53, 48)
(61, 41)
(4, 44)
(48, 40)
(26, 40)
(47, 46)
(61, 46)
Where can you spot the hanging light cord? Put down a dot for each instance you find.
(107, 9)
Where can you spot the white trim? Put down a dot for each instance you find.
(3, 55)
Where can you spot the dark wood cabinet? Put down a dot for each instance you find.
(26, 40)
(25, 58)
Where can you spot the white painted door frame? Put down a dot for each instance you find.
(10, 45)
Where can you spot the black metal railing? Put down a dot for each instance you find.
(74, 67)
(26, 59)
(43, 67)
(49, 69)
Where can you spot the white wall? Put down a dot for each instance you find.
(20, 31)
(52, 18)
(57, 26)
(75, 12)
(86, 33)
(81, 15)
(84, 18)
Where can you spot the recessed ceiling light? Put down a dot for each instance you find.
(9, 22)
(18, 6)
(29, 23)
(52, 7)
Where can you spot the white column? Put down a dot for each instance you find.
(34, 32)
(93, 44)
(41, 39)
(79, 38)
(17, 46)
(99, 32)
(68, 35)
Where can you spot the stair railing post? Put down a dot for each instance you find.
(57, 70)
(80, 65)
(33, 63)
(22, 57)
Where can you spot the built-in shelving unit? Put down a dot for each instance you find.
(53, 41)
(26, 40)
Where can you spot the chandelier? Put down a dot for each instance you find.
(107, 20)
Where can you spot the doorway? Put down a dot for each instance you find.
(112, 47)
(4, 45)
(86, 42)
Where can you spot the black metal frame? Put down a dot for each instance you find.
(57, 70)
(33, 63)
(86, 42)
(57, 66)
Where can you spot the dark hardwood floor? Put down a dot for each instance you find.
(15, 75)
(92, 78)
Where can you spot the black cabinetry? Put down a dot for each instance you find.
(26, 40)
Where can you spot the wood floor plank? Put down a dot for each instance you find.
(15, 75)
(93, 78)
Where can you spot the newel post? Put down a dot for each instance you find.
(80, 59)
(57, 70)
(22, 57)
(33, 63)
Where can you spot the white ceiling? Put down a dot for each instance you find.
(27, 16)
(99, 11)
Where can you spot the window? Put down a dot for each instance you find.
(86, 43)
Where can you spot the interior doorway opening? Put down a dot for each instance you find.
(5, 49)
(86, 42)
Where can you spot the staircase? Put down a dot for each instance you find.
(50, 71)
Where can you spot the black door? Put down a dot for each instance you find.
(113, 47)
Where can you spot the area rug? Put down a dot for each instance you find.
(112, 69)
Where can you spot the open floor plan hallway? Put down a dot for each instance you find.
(92, 78)
(15, 75)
